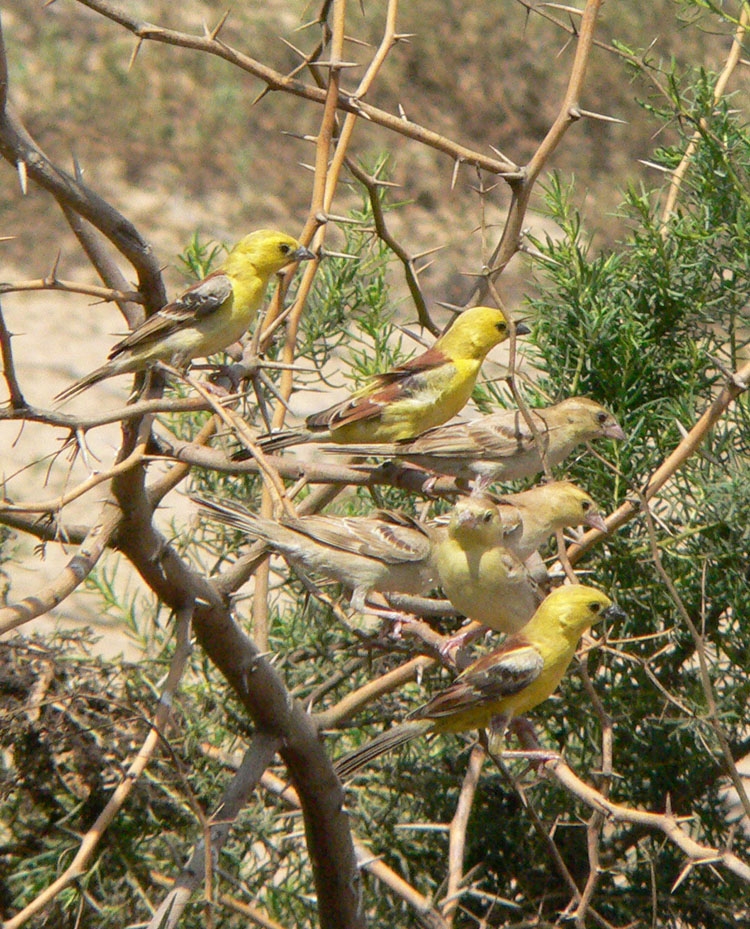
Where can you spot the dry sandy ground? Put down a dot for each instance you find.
(50, 330)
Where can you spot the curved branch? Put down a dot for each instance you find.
(522, 187)
(262, 693)
(19, 149)
(665, 822)
(737, 384)
(72, 575)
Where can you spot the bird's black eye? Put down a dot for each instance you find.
(595, 607)
(487, 516)
(285, 249)
(502, 327)
(601, 418)
(586, 505)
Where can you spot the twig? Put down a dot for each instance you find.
(678, 175)
(17, 402)
(428, 915)
(72, 575)
(356, 700)
(665, 822)
(57, 503)
(736, 385)
(280, 82)
(105, 294)
(522, 187)
(700, 648)
(457, 836)
(257, 758)
(90, 841)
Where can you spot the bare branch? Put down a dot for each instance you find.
(257, 758)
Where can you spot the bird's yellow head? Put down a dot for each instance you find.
(266, 251)
(475, 332)
(568, 505)
(574, 609)
(476, 521)
(590, 419)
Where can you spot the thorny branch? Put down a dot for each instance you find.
(126, 521)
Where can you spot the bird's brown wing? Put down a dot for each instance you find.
(499, 674)
(497, 436)
(392, 538)
(196, 303)
(379, 392)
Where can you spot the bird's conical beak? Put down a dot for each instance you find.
(302, 254)
(596, 521)
(613, 613)
(615, 431)
(466, 518)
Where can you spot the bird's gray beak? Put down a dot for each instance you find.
(614, 431)
(302, 254)
(613, 613)
(596, 521)
(522, 329)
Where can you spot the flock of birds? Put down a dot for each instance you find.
(484, 557)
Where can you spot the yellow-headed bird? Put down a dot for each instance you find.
(501, 446)
(508, 682)
(479, 574)
(209, 316)
(417, 395)
(388, 552)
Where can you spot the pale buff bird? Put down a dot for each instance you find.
(388, 552)
(544, 509)
(499, 446)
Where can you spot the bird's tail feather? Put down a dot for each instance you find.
(229, 513)
(93, 377)
(392, 738)
(273, 442)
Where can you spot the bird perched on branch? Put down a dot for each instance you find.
(208, 317)
(505, 683)
(500, 446)
(479, 574)
(543, 510)
(417, 395)
(387, 552)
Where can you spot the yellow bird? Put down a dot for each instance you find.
(417, 395)
(208, 317)
(508, 682)
(479, 574)
(500, 446)
(388, 552)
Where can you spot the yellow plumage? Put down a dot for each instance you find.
(208, 317)
(481, 577)
(508, 682)
(424, 392)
